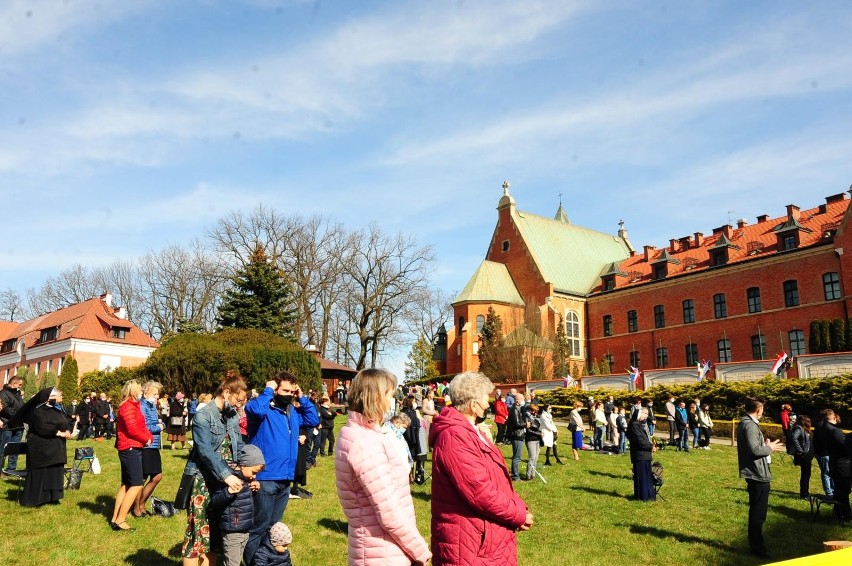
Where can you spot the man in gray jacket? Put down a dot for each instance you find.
(753, 454)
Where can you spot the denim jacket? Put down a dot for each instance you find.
(152, 421)
(208, 432)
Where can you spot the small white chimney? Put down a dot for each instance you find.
(107, 299)
(121, 313)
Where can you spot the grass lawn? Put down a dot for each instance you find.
(583, 516)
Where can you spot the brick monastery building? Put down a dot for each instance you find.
(736, 297)
(96, 334)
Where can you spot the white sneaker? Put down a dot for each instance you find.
(294, 496)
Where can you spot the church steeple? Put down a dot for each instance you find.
(506, 201)
(561, 215)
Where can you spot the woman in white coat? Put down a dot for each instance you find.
(549, 435)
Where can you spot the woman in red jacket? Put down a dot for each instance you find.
(475, 510)
(131, 437)
(501, 414)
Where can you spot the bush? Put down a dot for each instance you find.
(197, 363)
(110, 382)
(726, 400)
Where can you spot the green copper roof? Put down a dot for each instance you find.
(491, 283)
(569, 256)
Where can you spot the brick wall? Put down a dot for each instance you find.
(805, 266)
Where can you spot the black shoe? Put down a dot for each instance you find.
(560, 462)
(760, 552)
(547, 464)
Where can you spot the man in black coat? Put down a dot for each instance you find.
(85, 412)
(839, 465)
(101, 416)
(13, 400)
(516, 428)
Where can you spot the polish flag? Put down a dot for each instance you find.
(779, 364)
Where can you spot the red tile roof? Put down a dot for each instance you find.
(747, 242)
(333, 366)
(89, 320)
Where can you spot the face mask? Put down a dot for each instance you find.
(480, 420)
(283, 401)
(51, 402)
(228, 410)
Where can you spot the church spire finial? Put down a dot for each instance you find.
(505, 188)
(507, 200)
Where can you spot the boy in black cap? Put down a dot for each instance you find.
(233, 510)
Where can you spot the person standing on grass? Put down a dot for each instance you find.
(501, 415)
(577, 427)
(131, 437)
(682, 423)
(176, 425)
(641, 449)
(326, 438)
(475, 511)
(549, 435)
(515, 432)
(609, 409)
(705, 424)
(839, 465)
(651, 423)
(821, 434)
(692, 420)
(754, 456)
(427, 408)
(217, 445)
(803, 453)
(600, 426)
(532, 438)
(274, 419)
(671, 416)
(12, 400)
(46, 459)
(372, 480)
(152, 464)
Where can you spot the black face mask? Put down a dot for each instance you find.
(480, 420)
(283, 401)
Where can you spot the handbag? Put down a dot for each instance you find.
(176, 421)
(74, 479)
(162, 508)
(84, 452)
(184, 491)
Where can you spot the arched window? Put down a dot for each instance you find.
(572, 332)
(461, 324)
(480, 322)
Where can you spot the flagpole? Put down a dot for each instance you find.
(781, 339)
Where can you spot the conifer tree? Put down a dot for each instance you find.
(420, 364)
(68, 379)
(259, 298)
(561, 351)
(492, 348)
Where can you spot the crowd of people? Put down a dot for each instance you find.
(250, 452)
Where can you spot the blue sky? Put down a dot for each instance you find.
(126, 126)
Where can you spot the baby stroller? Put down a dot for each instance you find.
(657, 478)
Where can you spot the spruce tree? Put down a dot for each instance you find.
(816, 346)
(491, 349)
(561, 351)
(259, 298)
(68, 379)
(838, 335)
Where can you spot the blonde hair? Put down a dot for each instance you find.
(152, 385)
(469, 386)
(369, 392)
(131, 386)
(205, 397)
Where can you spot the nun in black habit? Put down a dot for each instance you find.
(46, 456)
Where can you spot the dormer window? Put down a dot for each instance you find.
(661, 270)
(608, 276)
(48, 334)
(608, 282)
(119, 333)
(789, 241)
(660, 266)
(8, 345)
(789, 234)
(718, 257)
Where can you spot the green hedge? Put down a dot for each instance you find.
(726, 400)
(196, 363)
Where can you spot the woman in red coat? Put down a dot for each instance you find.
(501, 415)
(475, 510)
(131, 437)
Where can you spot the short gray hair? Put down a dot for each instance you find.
(152, 385)
(469, 386)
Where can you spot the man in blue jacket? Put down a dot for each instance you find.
(274, 418)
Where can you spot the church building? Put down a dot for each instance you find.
(743, 293)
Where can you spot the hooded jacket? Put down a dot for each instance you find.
(372, 484)
(475, 510)
(12, 403)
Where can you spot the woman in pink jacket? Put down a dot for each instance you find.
(372, 480)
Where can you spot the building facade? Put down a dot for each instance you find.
(741, 294)
(96, 334)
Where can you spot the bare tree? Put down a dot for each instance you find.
(11, 305)
(427, 311)
(386, 273)
(121, 278)
(181, 286)
(73, 285)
